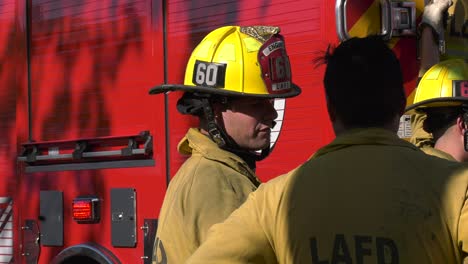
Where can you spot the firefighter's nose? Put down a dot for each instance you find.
(272, 113)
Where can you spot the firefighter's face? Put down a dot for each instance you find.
(249, 121)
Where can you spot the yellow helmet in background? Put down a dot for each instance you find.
(444, 84)
(239, 61)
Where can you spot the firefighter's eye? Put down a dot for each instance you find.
(258, 103)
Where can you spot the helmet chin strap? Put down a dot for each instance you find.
(220, 137)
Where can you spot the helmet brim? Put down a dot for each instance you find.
(295, 91)
(437, 102)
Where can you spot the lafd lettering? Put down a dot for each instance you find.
(366, 250)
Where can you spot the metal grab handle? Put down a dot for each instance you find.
(397, 18)
(340, 14)
(387, 14)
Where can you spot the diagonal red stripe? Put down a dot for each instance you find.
(355, 9)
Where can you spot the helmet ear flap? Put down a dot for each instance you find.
(192, 103)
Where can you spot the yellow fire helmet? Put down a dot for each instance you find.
(444, 84)
(239, 61)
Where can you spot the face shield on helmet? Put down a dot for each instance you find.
(239, 61)
(443, 85)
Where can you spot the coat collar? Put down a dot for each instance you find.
(364, 136)
(436, 152)
(196, 142)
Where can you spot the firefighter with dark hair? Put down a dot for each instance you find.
(367, 197)
(231, 80)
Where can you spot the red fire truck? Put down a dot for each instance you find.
(86, 154)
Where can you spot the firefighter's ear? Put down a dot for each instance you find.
(463, 130)
(461, 125)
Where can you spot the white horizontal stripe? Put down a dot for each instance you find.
(6, 234)
(6, 242)
(6, 250)
(5, 258)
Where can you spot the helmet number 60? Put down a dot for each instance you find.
(209, 74)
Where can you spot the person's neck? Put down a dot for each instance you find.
(342, 130)
(451, 144)
(248, 157)
(339, 128)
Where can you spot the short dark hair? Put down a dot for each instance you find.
(363, 82)
(438, 119)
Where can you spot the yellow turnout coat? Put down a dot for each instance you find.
(207, 188)
(367, 197)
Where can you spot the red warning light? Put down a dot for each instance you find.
(86, 209)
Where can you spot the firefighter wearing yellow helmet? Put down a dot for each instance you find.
(230, 81)
(442, 95)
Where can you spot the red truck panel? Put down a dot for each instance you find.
(92, 64)
(13, 76)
